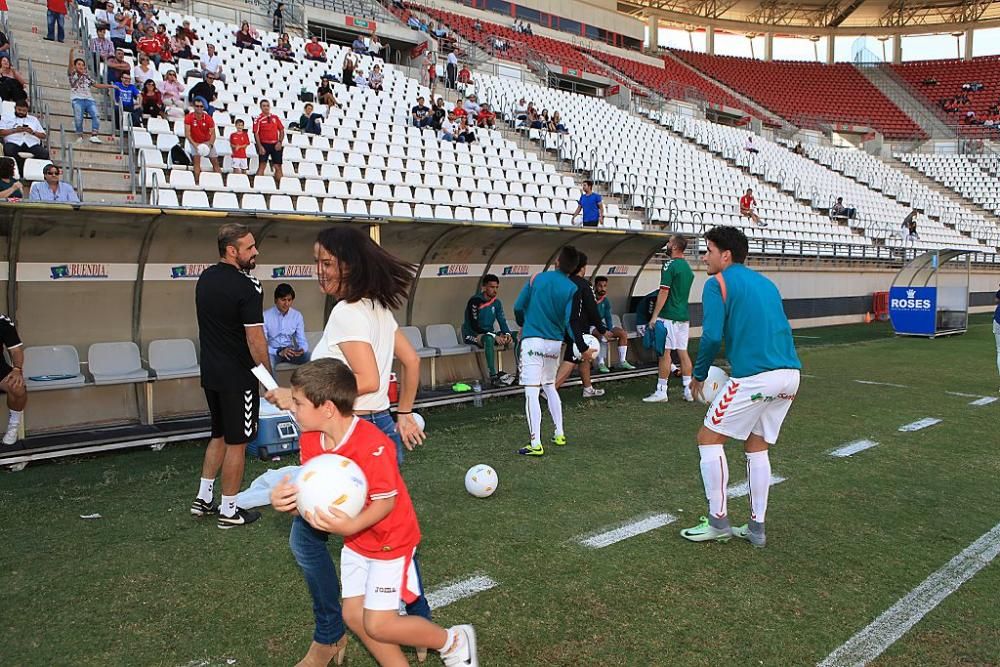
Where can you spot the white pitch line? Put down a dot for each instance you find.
(881, 633)
(883, 384)
(985, 400)
(445, 595)
(852, 448)
(743, 488)
(631, 529)
(919, 424)
(963, 395)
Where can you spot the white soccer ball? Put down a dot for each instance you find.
(417, 417)
(204, 150)
(331, 480)
(714, 382)
(481, 481)
(592, 344)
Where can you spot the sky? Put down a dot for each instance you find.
(915, 47)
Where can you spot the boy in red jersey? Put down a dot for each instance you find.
(239, 140)
(379, 543)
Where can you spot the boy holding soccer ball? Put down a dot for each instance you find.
(376, 562)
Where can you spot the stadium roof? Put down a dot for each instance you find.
(822, 17)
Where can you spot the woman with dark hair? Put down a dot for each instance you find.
(12, 82)
(245, 37)
(10, 187)
(152, 100)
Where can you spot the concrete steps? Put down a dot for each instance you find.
(889, 85)
(945, 191)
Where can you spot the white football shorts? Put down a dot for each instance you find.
(540, 361)
(755, 404)
(382, 582)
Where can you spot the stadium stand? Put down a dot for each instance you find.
(807, 94)
(961, 175)
(939, 81)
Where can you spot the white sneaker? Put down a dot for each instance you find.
(94, 139)
(688, 396)
(10, 437)
(465, 655)
(592, 392)
(656, 397)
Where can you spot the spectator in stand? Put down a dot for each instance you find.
(145, 71)
(486, 118)
(527, 30)
(747, 206)
(799, 149)
(451, 70)
(211, 63)
(150, 46)
(270, 134)
(283, 50)
(52, 189)
(309, 121)
(104, 14)
(56, 16)
(103, 47)
(375, 46)
(180, 45)
(544, 119)
(199, 131)
(324, 95)
(315, 50)
(246, 37)
(471, 106)
(12, 83)
(239, 140)
(117, 65)
(172, 91)
(908, 230)
(163, 37)
(152, 100)
(477, 26)
(121, 30)
(521, 110)
(278, 18)
(430, 62)
(127, 101)
(448, 129)
(840, 211)
(347, 71)
(360, 80)
(205, 91)
(189, 32)
(376, 79)
(4, 43)
(466, 135)
(22, 133)
(749, 146)
(285, 329)
(535, 120)
(82, 99)
(438, 113)
(10, 187)
(420, 114)
(358, 45)
(556, 124)
(464, 75)
(591, 205)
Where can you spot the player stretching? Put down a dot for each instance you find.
(744, 308)
(672, 314)
(482, 312)
(543, 310)
(613, 332)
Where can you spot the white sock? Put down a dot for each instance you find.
(661, 384)
(555, 407)
(228, 506)
(15, 418)
(622, 353)
(205, 492)
(533, 406)
(759, 474)
(673, 367)
(454, 643)
(686, 380)
(603, 354)
(715, 475)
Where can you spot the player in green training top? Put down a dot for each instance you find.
(483, 313)
(613, 332)
(671, 313)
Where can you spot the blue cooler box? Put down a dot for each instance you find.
(277, 434)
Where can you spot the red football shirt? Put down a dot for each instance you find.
(269, 129)
(315, 49)
(57, 6)
(149, 45)
(201, 128)
(398, 533)
(239, 142)
(746, 202)
(485, 116)
(458, 111)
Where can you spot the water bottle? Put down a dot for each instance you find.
(477, 394)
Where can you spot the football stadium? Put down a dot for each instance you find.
(571, 332)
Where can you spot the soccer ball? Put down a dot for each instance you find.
(204, 150)
(417, 417)
(592, 344)
(481, 481)
(716, 380)
(331, 479)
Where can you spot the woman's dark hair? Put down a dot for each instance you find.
(7, 168)
(729, 238)
(367, 270)
(149, 82)
(79, 60)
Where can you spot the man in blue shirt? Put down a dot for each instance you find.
(543, 309)
(285, 329)
(127, 100)
(591, 205)
(53, 189)
(743, 309)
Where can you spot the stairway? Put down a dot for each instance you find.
(104, 168)
(890, 85)
(944, 190)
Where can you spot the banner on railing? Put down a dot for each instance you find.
(359, 23)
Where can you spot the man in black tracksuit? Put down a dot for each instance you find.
(585, 316)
